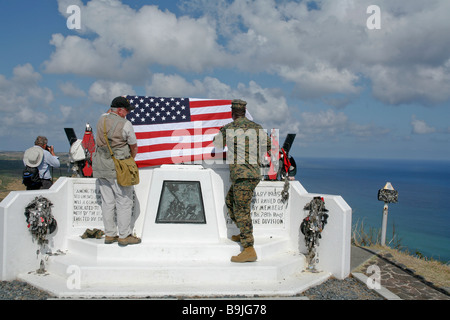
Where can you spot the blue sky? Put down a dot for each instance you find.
(313, 68)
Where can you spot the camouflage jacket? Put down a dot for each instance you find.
(247, 142)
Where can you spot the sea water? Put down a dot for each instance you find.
(420, 219)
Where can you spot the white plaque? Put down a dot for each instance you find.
(267, 208)
(87, 210)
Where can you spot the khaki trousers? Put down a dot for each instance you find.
(117, 207)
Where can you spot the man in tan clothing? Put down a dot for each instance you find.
(117, 200)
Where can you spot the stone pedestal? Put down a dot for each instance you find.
(186, 246)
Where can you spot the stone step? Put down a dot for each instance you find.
(222, 250)
(286, 287)
(128, 272)
(75, 275)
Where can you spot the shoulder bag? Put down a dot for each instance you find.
(126, 169)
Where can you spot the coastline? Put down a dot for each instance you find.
(418, 221)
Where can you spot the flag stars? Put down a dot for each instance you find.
(159, 110)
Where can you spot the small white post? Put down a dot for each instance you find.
(388, 195)
(384, 224)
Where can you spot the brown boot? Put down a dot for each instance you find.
(248, 255)
(129, 240)
(236, 238)
(109, 240)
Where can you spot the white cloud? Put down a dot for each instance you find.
(324, 123)
(23, 98)
(420, 126)
(331, 50)
(25, 74)
(265, 104)
(320, 80)
(422, 84)
(103, 92)
(268, 107)
(127, 42)
(71, 90)
(26, 108)
(332, 125)
(66, 112)
(323, 52)
(80, 56)
(174, 86)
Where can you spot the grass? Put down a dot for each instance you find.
(362, 237)
(430, 269)
(11, 167)
(372, 238)
(8, 184)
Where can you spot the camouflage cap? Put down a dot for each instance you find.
(238, 104)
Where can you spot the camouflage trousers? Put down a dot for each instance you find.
(238, 202)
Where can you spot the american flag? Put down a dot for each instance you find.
(176, 130)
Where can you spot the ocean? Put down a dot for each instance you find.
(420, 218)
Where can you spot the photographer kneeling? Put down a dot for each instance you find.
(43, 157)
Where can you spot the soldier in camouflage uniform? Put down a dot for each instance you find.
(242, 137)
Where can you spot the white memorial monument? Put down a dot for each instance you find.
(180, 214)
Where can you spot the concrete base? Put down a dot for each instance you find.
(174, 259)
(91, 268)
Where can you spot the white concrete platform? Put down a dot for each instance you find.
(174, 259)
(285, 288)
(93, 272)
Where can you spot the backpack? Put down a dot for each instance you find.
(77, 151)
(31, 177)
